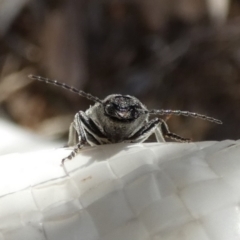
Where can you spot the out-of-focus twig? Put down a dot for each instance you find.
(13, 83)
(218, 10)
(9, 9)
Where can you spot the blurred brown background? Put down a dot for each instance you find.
(171, 54)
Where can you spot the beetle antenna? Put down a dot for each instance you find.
(183, 113)
(65, 86)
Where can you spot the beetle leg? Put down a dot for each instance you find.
(144, 132)
(75, 151)
(94, 134)
(78, 127)
(166, 133)
(83, 131)
(73, 136)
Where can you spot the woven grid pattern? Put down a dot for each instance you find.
(168, 191)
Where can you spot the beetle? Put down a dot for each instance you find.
(116, 119)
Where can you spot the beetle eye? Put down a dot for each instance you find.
(109, 107)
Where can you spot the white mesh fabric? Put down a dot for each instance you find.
(167, 191)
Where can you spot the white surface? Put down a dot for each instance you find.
(168, 191)
(16, 139)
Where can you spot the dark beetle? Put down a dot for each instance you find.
(118, 118)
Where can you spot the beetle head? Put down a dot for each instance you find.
(122, 107)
